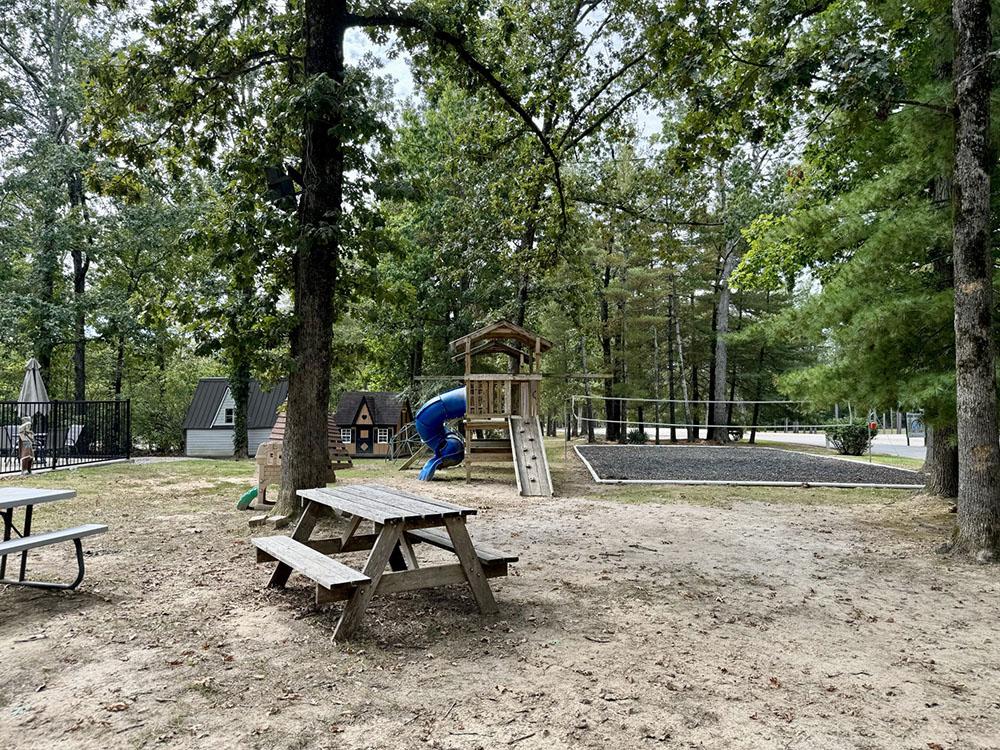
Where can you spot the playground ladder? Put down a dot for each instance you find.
(531, 466)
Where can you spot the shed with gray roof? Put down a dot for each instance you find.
(208, 426)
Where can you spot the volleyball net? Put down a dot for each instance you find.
(619, 415)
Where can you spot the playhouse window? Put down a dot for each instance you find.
(347, 435)
(382, 435)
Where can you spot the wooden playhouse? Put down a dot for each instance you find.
(502, 408)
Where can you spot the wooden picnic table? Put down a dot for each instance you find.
(12, 498)
(400, 519)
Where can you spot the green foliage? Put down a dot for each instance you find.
(454, 215)
(851, 438)
(160, 399)
(637, 437)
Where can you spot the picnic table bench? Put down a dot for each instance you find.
(27, 498)
(400, 520)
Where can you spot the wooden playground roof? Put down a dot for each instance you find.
(499, 331)
(492, 347)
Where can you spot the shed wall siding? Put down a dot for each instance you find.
(209, 443)
(219, 442)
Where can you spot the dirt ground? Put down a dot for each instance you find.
(674, 617)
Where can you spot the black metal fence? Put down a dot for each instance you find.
(66, 433)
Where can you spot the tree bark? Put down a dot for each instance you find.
(239, 387)
(688, 419)
(45, 272)
(588, 409)
(525, 251)
(941, 464)
(695, 430)
(656, 383)
(670, 368)
(305, 460)
(81, 264)
(721, 434)
(610, 404)
(710, 390)
(978, 532)
(119, 365)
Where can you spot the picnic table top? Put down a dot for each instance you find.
(15, 497)
(384, 504)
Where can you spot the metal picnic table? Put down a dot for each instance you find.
(400, 520)
(12, 498)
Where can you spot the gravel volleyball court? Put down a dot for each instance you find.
(735, 465)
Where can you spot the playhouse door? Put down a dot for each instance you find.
(365, 441)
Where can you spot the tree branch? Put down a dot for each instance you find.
(950, 111)
(598, 91)
(36, 80)
(600, 120)
(592, 201)
(264, 58)
(404, 21)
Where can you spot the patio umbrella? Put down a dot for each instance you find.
(33, 392)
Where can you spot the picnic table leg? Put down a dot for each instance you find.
(384, 546)
(402, 557)
(303, 529)
(8, 523)
(470, 564)
(25, 532)
(409, 556)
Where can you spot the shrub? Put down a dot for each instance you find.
(851, 438)
(637, 437)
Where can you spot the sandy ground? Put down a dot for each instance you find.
(625, 625)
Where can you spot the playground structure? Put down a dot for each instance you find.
(268, 459)
(500, 409)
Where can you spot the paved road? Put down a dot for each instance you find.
(883, 445)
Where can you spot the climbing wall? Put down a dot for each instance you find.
(531, 467)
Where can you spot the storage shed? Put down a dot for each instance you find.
(367, 421)
(208, 427)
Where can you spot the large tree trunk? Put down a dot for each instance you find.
(119, 365)
(710, 410)
(525, 252)
(688, 419)
(721, 434)
(610, 404)
(305, 458)
(416, 357)
(239, 387)
(978, 532)
(656, 383)
(941, 464)
(81, 264)
(670, 368)
(43, 324)
(588, 409)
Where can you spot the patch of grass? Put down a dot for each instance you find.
(117, 489)
(722, 496)
(178, 487)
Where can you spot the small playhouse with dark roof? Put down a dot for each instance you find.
(368, 420)
(208, 427)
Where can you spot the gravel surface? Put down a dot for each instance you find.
(735, 464)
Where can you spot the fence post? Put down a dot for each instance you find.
(53, 427)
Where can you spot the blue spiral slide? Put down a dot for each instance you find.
(448, 446)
